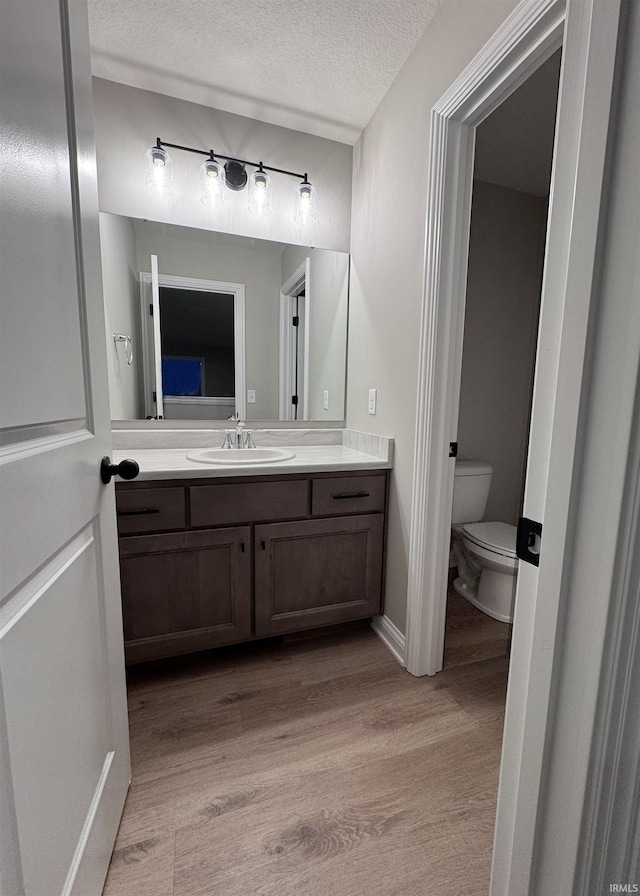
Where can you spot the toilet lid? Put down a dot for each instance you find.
(496, 536)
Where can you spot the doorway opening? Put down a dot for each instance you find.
(197, 349)
(294, 345)
(193, 346)
(509, 208)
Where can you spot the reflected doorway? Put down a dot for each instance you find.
(193, 347)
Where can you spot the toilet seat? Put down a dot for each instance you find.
(497, 537)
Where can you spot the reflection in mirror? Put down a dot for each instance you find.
(276, 352)
(196, 329)
(192, 347)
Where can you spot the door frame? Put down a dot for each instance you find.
(235, 289)
(300, 277)
(524, 42)
(535, 30)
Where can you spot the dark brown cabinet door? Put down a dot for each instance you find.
(185, 591)
(317, 572)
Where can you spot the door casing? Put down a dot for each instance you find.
(535, 30)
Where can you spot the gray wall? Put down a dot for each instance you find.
(506, 251)
(128, 121)
(387, 246)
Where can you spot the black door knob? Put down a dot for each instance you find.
(126, 469)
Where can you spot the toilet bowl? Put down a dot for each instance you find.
(485, 554)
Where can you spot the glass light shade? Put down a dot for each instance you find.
(305, 209)
(259, 193)
(158, 173)
(213, 180)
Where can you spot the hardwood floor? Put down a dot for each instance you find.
(310, 768)
(471, 635)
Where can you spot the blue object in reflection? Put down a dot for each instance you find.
(182, 376)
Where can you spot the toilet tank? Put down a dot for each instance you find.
(470, 490)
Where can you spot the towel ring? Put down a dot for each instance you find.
(128, 346)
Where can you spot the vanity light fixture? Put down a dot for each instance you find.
(217, 176)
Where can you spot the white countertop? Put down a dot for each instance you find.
(172, 463)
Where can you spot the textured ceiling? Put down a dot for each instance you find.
(318, 66)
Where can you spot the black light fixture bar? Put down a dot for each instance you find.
(218, 155)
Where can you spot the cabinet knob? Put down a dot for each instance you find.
(126, 469)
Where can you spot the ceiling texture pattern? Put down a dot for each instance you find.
(317, 66)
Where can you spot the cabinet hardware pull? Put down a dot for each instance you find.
(145, 510)
(242, 546)
(351, 495)
(263, 545)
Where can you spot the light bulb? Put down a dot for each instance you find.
(259, 192)
(305, 208)
(158, 174)
(213, 181)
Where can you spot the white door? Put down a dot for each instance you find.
(64, 757)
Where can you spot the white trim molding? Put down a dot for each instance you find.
(201, 400)
(610, 837)
(391, 637)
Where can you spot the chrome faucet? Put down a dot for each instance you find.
(238, 437)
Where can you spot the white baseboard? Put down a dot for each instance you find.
(391, 637)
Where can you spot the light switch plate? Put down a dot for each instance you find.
(373, 400)
(325, 400)
(251, 396)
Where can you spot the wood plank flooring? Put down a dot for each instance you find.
(470, 634)
(310, 768)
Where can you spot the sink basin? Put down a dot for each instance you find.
(240, 455)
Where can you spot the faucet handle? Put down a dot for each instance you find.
(228, 443)
(248, 440)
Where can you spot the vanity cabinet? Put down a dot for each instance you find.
(210, 562)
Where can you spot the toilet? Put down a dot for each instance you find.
(484, 552)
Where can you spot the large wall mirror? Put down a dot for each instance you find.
(204, 325)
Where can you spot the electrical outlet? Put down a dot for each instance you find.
(373, 400)
(251, 396)
(325, 400)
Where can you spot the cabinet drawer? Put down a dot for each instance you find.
(348, 494)
(150, 509)
(227, 504)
